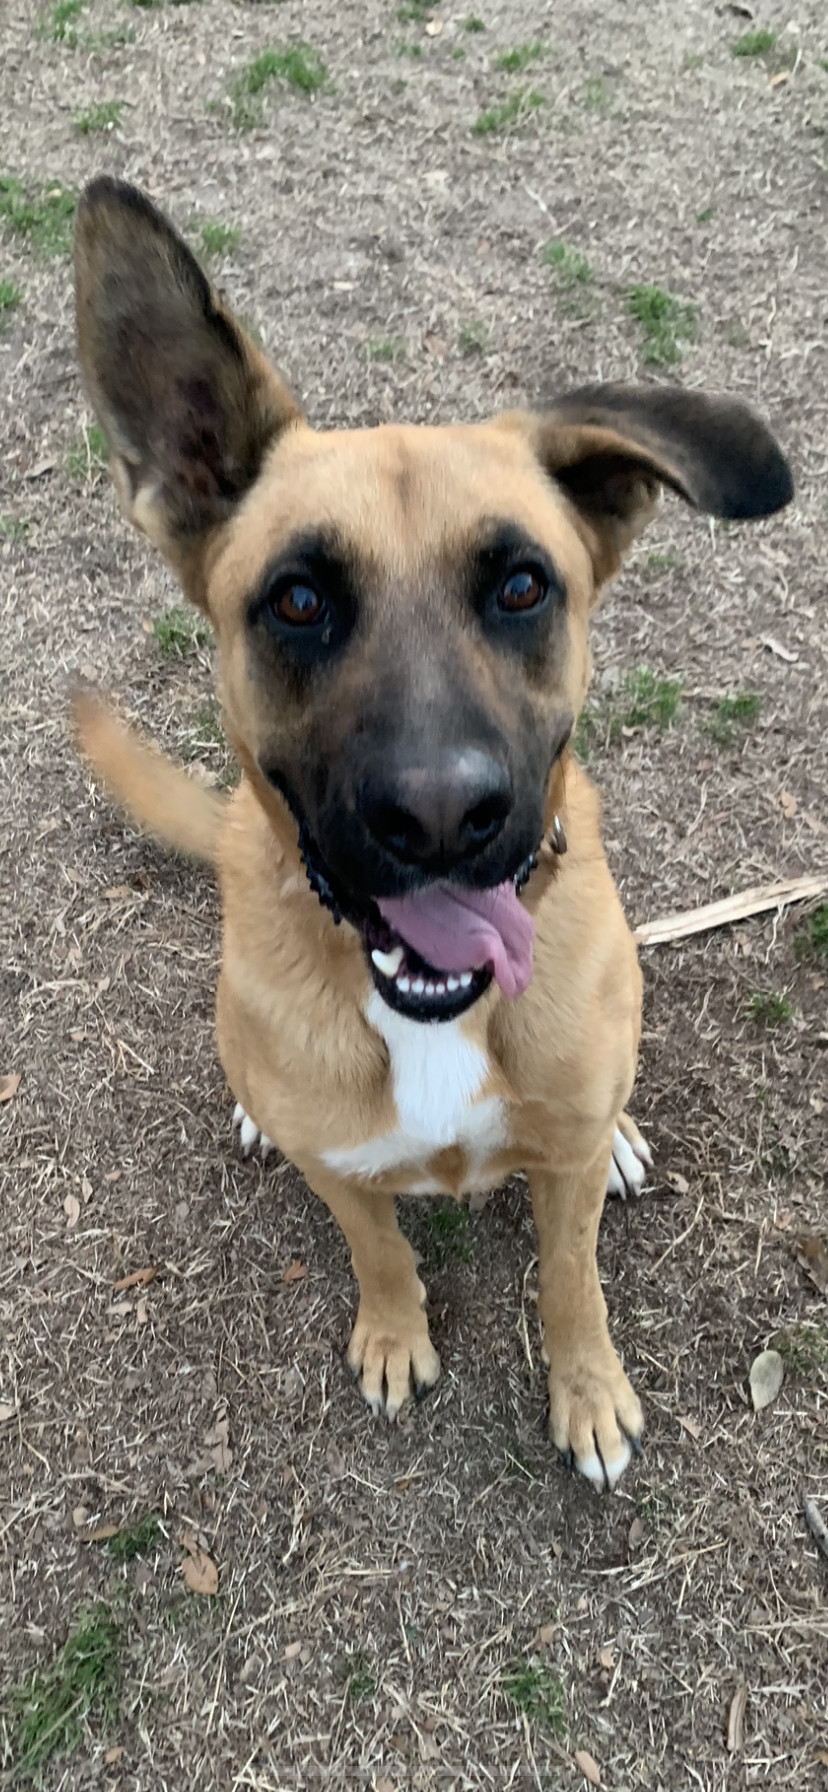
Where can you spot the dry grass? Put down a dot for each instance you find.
(401, 1607)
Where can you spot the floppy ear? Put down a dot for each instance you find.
(188, 403)
(611, 446)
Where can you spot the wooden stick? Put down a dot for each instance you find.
(816, 1524)
(730, 908)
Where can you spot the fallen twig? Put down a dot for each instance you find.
(816, 1524)
(731, 908)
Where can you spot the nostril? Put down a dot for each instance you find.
(486, 818)
(396, 827)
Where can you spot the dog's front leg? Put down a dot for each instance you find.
(594, 1416)
(390, 1351)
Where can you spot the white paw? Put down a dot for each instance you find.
(605, 1475)
(250, 1132)
(630, 1161)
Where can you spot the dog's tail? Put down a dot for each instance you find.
(158, 794)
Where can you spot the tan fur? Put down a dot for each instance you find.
(214, 462)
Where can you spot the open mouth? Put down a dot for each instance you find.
(433, 954)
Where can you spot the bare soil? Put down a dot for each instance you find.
(391, 259)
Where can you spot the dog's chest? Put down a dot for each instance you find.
(439, 1079)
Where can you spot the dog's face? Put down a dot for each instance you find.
(402, 613)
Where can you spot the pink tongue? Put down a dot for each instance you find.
(463, 930)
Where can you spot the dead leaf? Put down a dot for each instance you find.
(384, 1785)
(788, 803)
(780, 79)
(71, 1208)
(822, 1757)
(41, 467)
(86, 1189)
(118, 892)
(690, 1425)
(141, 1313)
(678, 1183)
(434, 27)
(435, 345)
(78, 1035)
(9, 1086)
(200, 1572)
(121, 1309)
(812, 1256)
(766, 1377)
(336, 1461)
(137, 1278)
(102, 1533)
(80, 1516)
(218, 1444)
(295, 1271)
(547, 1634)
(291, 1651)
(607, 1658)
(7, 1411)
(112, 1755)
(113, 1176)
(635, 1534)
(736, 1721)
(588, 1766)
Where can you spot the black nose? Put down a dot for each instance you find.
(435, 815)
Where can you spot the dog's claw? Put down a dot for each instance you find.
(250, 1133)
(631, 1159)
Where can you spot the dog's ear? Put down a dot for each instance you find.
(188, 403)
(611, 446)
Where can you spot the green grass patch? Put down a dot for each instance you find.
(13, 529)
(705, 216)
(650, 702)
(137, 1539)
(10, 297)
(218, 239)
(811, 939)
(733, 715)
(102, 117)
(668, 324)
(413, 50)
(587, 733)
(512, 111)
(449, 1234)
(45, 221)
(658, 564)
(49, 1713)
(512, 62)
(596, 94)
(804, 1349)
(416, 12)
(299, 65)
(753, 43)
(356, 1670)
(538, 1693)
(473, 338)
(571, 267)
(90, 455)
(385, 348)
(768, 1008)
(60, 25)
(473, 24)
(181, 632)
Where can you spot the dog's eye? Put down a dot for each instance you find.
(299, 605)
(523, 590)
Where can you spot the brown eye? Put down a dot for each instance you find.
(299, 605)
(523, 590)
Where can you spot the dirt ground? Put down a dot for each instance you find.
(437, 1605)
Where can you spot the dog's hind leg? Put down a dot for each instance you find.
(631, 1159)
(390, 1352)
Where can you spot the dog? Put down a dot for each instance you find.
(427, 979)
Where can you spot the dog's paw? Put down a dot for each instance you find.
(595, 1419)
(630, 1161)
(250, 1134)
(391, 1354)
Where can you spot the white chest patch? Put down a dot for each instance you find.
(437, 1075)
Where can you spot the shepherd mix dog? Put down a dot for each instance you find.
(427, 980)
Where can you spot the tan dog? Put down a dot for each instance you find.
(419, 993)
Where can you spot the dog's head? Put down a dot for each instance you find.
(402, 613)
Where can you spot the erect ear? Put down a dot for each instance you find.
(611, 446)
(188, 403)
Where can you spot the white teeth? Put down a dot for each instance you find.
(418, 987)
(439, 989)
(452, 983)
(465, 980)
(388, 962)
(431, 989)
(404, 984)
